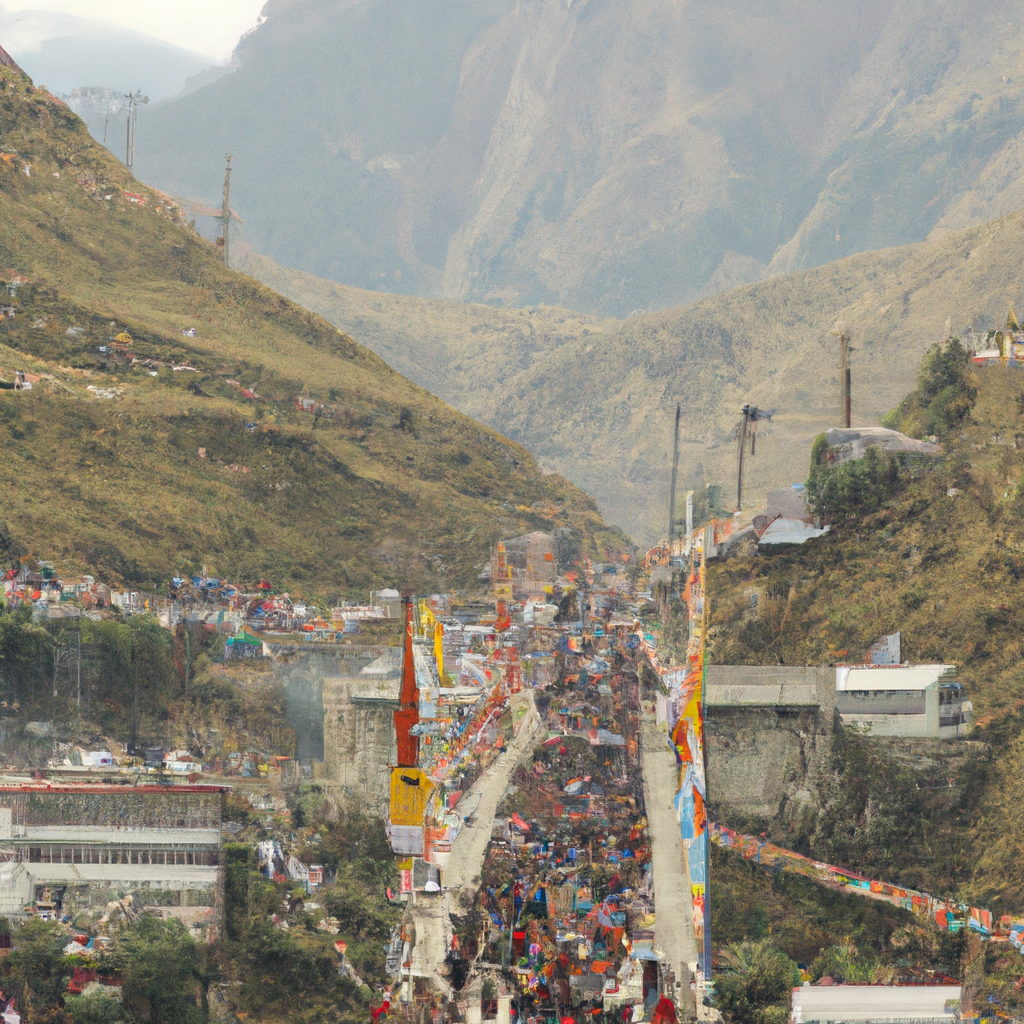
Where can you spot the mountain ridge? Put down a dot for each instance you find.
(594, 397)
(600, 158)
(144, 459)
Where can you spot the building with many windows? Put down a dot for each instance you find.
(66, 847)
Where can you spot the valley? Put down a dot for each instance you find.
(352, 664)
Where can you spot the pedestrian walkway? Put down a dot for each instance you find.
(674, 934)
(461, 875)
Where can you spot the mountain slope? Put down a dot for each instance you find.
(599, 156)
(594, 398)
(188, 448)
(942, 564)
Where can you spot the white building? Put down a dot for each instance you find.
(903, 700)
(77, 845)
(868, 1004)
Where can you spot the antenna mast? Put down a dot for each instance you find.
(672, 492)
(134, 99)
(226, 212)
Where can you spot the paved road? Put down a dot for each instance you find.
(673, 908)
(461, 875)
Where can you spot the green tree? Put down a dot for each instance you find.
(757, 988)
(944, 396)
(38, 965)
(854, 488)
(26, 658)
(162, 975)
(150, 665)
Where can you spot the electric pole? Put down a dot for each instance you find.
(743, 444)
(748, 429)
(845, 402)
(134, 99)
(226, 211)
(672, 492)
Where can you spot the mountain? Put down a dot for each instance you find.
(611, 158)
(65, 53)
(185, 444)
(594, 398)
(941, 563)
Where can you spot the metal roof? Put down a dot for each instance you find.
(892, 677)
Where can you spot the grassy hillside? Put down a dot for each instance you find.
(594, 399)
(104, 461)
(942, 563)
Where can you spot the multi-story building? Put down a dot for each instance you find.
(72, 846)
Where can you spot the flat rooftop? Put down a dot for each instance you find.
(892, 677)
(763, 686)
(872, 1004)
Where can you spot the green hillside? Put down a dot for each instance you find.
(941, 562)
(104, 463)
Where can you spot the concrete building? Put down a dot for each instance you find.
(903, 700)
(786, 519)
(867, 1004)
(76, 846)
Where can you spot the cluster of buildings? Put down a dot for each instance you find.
(567, 885)
(217, 603)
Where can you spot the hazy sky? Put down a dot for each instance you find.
(210, 27)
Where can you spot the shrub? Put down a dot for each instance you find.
(855, 488)
(944, 396)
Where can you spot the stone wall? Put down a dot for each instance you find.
(360, 696)
(766, 762)
(340, 703)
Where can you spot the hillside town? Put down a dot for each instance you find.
(512, 514)
(542, 778)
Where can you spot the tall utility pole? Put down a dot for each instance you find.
(226, 211)
(672, 491)
(748, 430)
(843, 334)
(134, 99)
(744, 426)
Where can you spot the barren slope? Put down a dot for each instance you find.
(594, 398)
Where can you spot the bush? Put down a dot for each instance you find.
(38, 963)
(95, 1009)
(943, 398)
(855, 488)
(844, 963)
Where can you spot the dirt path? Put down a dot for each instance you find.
(461, 875)
(482, 800)
(673, 927)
